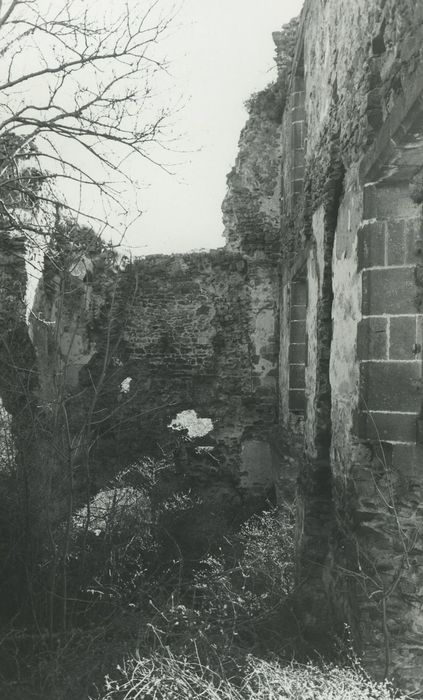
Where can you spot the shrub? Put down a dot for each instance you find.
(268, 103)
(198, 631)
(266, 680)
(164, 676)
(232, 597)
(109, 546)
(267, 559)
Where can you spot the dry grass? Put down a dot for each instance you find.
(164, 676)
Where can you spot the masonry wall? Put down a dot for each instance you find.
(115, 354)
(357, 234)
(200, 336)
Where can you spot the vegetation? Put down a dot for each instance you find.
(76, 114)
(144, 622)
(165, 677)
(269, 102)
(76, 108)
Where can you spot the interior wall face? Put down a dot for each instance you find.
(202, 336)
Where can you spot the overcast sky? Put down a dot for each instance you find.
(220, 51)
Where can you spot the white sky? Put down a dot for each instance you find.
(220, 51)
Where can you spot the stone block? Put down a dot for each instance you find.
(409, 460)
(297, 331)
(395, 242)
(298, 293)
(297, 99)
(298, 172)
(419, 321)
(298, 313)
(402, 338)
(297, 377)
(297, 353)
(391, 386)
(297, 112)
(414, 241)
(372, 338)
(298, 134)
(404, 241)
(395, 427)
(298, 187)
(388, 291)
(297, 400)
(392, 202)
(371, 245)
(298, 159)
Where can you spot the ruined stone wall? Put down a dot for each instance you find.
(358, 59)
(353, 66)
(48, 306)
(201, 336)
(199, 331)
(351, 224)
(251, 208)
(114, 355)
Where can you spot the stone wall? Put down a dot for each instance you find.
(349, 221)
(44, 343)
(251, 208)
(108, 357)
(200, 336)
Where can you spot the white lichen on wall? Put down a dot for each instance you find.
(188, 420)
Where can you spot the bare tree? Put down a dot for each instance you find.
(58, 418)
(77, 111)
(76, 103)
